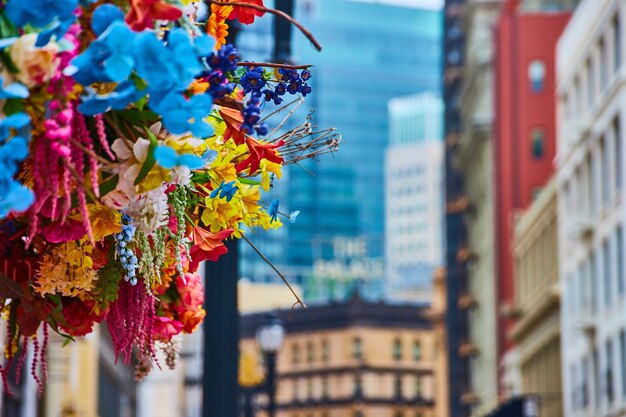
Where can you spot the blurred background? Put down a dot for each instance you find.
(461, 255)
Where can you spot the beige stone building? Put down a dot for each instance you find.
(474, 159)
(537, 331)
(359, 359)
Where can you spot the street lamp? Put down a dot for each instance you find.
(270, 338)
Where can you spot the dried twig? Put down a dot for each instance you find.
(298, 300)
(276, 12)
(272, 65)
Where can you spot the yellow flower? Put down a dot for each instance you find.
(221, 214)
(268, 167)
(66, 270)
(104, 221)
(224, 168)
(217, 25)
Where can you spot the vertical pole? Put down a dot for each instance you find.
(271, 384)
(221, 335)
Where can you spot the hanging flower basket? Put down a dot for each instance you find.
(132, 145)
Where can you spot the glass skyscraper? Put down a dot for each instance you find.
(371, 53)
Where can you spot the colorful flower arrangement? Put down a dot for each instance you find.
(131, 147)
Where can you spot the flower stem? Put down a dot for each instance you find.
(276, 12)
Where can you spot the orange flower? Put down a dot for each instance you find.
(207, 246)
(217, 25)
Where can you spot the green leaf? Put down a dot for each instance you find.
(248, 181)
(141, 103)
(109, 185)
(149, 163)
(13, 105)
(138, 117)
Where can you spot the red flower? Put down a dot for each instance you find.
(30, 313)
(80, 317)
(233, 120)
(246, 15)
(164, 328)
(258, 151)
(207, 246)
(143, 13)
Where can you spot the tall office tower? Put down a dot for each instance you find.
(413, 195)
(365, 62)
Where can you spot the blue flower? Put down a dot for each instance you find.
(13, 90)
(58, 29)
(225, 190)
(124, 94)
(107, 59)
(127, 258)
(305, 75)
(168, 158)
(304, 89)
(273, 210)
(39, 13)
(293, 216)
(180, 115)
(13, 195)
(168, 68)
(252, 80)
(104, 16)
(225, 59)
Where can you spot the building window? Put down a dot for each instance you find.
(418, 387)
(596, 376)
(397, 349)
(398, 414)
(324, 387)
(593, 281)
(417, 351)
(398, 387)
(603, 64)
(538, 140)
(619, 168)
(617, 43)
(608, 386)
(537, 75)
(591, 79)
(358, 414)
(606, 260)
(605, 152)
(325, 351)
(357, 348)
(309, 352)
(619, 242)
(622, 359)
(309, 388)
(585, 386)
(591, 183)
(295, 353)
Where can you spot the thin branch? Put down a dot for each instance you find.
(276, 12)
(272, 65)
(298, 300)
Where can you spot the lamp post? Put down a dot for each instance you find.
(270, 338)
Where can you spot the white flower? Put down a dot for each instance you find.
(36, 65)
(181, 175)
(150, 210)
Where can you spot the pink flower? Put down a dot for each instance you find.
(164, 328)
(192, 294)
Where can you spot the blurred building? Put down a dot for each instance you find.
(358, 358)
(456, 203)
(342, 197)
(413, 196)
(524, 144)
(472, 156)
(537, 330)
(85, 380)
(591, 208)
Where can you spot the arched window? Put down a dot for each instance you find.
(538, 139)
(357, 348)
(537, 75)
